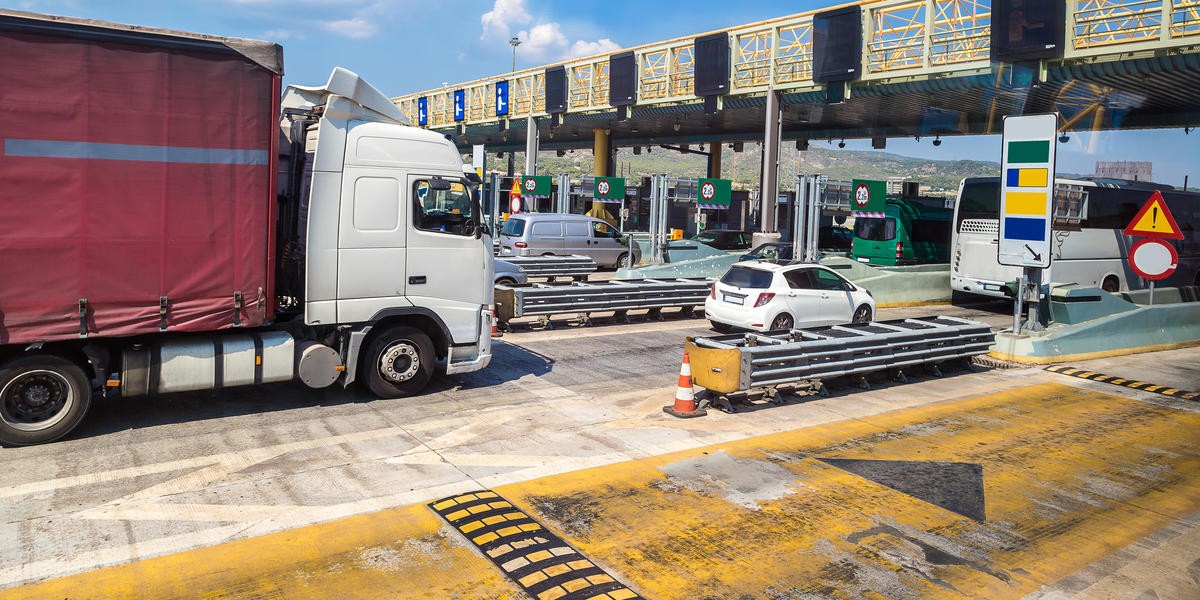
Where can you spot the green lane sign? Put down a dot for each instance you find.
(713, 193)
(535, 185)
(868, 196)
(610, 188)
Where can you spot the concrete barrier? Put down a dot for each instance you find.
(1090, 323)
(896, 286)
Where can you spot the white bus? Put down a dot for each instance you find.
(1088, 246)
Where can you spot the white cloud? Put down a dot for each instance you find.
(505, 14)
(545, 42)
(581, 48)
(357, 28)
(542, 40)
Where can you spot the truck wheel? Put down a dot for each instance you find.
(399, 362)
(42, 398)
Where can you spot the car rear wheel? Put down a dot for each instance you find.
(862, 314)
(782, 321)
(1111, 284)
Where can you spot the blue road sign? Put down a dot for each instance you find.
(422, 111)
(460, 100)
(501, 98)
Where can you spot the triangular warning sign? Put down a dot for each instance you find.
(516, 188)
(1155, 220)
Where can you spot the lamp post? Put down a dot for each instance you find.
(514, 42)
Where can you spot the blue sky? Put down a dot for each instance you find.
(404, 46)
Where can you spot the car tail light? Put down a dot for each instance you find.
(713, 290)
(763, 299)
(521, 245)
(899, 249)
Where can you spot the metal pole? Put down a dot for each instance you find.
(1152, 293)
(531, 146)
(1018, 305)
(496, 191)
(798, 215)
(1033, 297)
(814, 217)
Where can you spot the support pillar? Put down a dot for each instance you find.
(714, 160)
(531, 146)
(769, 184)
(601, 167)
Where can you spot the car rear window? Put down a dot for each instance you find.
(514, 227)
(745, 277)
(875, 229)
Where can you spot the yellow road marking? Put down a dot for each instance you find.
(1068, 476)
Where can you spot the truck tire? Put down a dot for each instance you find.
(42, 398)
(399, 362)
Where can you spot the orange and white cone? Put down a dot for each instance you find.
(496, 326)
(685, 398)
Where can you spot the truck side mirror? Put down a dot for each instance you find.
(438, 183)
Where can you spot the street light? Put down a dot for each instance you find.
(514, 42)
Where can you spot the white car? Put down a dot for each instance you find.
(765, 296)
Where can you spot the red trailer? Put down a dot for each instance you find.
(138, 179)
(139, 217)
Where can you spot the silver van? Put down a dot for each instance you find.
(541, 234)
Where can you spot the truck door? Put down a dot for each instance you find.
(448, 268)
(371, 243)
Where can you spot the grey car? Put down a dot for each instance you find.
(509, 274)
(544, 234)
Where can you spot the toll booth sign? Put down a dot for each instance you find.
(535, 185)
(869, 197)
(610, 189)
(714, 194)
(1027, 190)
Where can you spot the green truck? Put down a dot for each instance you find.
(909, 232)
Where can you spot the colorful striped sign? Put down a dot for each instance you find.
(1027, 177)
(1027, 190)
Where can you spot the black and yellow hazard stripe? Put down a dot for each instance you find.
(1129, 383)
(536, 559)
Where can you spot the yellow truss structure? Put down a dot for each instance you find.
(901, 39)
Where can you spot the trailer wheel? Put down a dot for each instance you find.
(399, 362)
(42, 398)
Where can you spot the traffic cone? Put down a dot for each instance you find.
(496, 325)
(685, 398)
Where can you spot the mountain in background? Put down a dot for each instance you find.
(937, 177)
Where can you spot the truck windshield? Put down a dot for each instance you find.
(514, 227)
(875, 229)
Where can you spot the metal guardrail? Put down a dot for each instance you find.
(584, 298)
(734, 363)
(554, 266)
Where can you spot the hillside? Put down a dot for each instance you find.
(743, 167)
